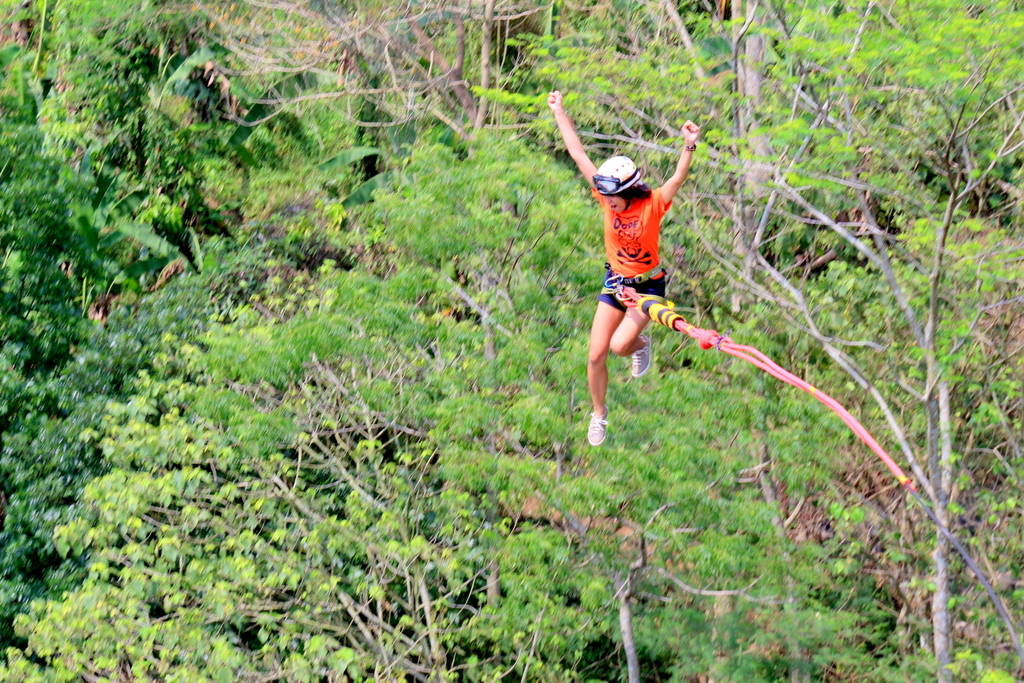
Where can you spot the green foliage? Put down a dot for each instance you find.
(50, 451)
(367, 429)
(19, 101)
(356, 453)
(134, 105)
(104, 222)
(39, 320)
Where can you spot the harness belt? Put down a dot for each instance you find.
(614, 282)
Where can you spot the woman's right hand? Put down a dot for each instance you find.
(572, 141)
(555, 102)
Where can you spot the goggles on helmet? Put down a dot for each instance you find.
(608, 185)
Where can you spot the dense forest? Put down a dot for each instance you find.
(294, 308)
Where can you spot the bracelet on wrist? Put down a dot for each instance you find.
(690, 148)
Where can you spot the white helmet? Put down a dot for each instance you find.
(615, 175)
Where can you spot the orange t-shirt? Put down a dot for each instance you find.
(631, 237)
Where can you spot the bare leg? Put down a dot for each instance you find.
(606, 321)
(626, 340)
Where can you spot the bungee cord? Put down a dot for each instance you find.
(662, 311)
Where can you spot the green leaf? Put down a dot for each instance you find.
(186, 65)
(244, 155)
(347, 157)
(144, 235)
(364, 193)
(244, 130)
(8, 55)
(125, 207)
(283, 89)
(103, 182)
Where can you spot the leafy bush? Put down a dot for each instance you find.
(39, 317)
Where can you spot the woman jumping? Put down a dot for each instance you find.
(632, 225)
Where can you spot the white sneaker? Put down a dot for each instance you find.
(598, 428)
(642, 358)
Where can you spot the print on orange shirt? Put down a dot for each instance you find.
(630, 249)
(631, 237)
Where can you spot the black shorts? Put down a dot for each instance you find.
(655, 286)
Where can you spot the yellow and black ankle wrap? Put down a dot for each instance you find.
(660, 311)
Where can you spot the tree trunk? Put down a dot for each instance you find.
(797, 673)
(493, 583)
(430, 52)
(722, 607)
(748, 65)
(626, 628)
(940, 451)
(437, 654)
(485, 64)
(21, 30)
(684, 35)
(943, 487)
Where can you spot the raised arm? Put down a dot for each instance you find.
(691, 131)
(572, 141)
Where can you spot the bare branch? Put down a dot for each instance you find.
(742, 592)
(684, 35)
(480, 310)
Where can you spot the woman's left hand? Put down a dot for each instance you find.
(691, 131)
